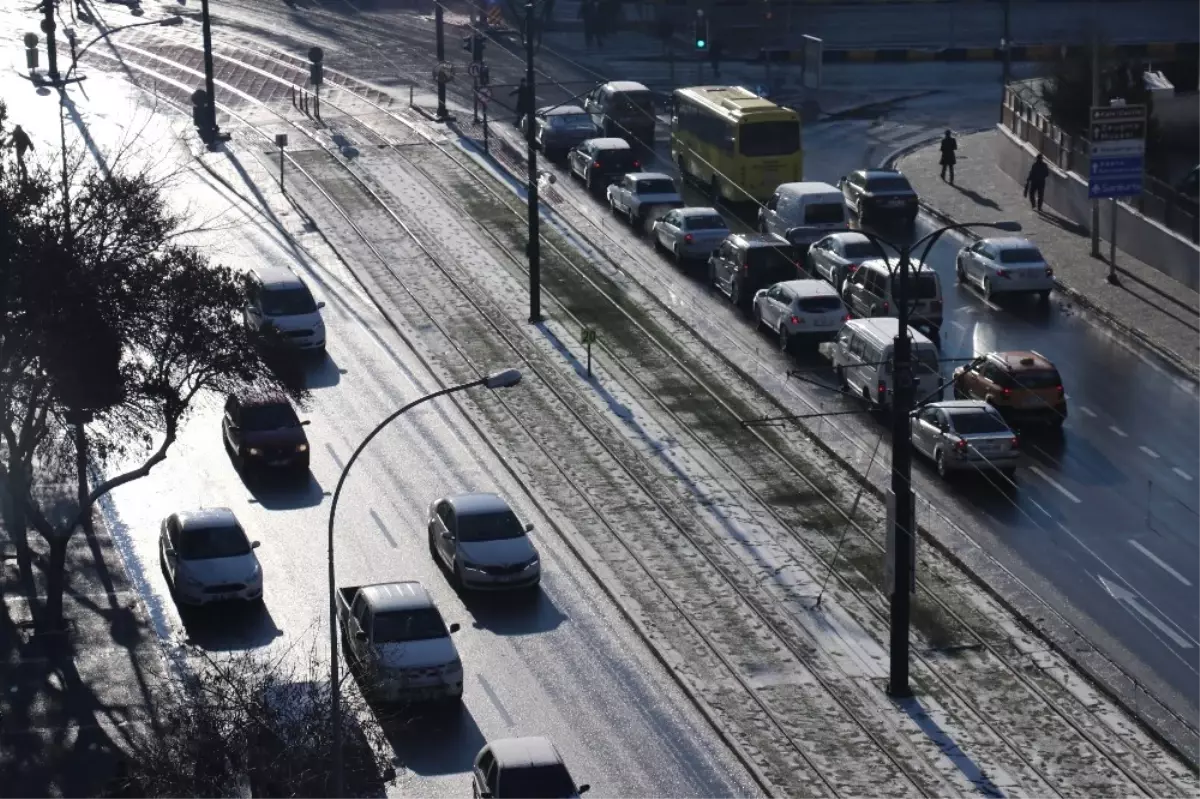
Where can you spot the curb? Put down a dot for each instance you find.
(1131, 706)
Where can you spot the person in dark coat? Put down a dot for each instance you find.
(524, 101)
(1035, 183)
(949, 148)
(22, 142)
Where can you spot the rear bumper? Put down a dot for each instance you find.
(954, 463)
(1042, 414)
(1003, 285)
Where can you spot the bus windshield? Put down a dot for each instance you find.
(770, 138)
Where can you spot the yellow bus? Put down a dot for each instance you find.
(737, 144)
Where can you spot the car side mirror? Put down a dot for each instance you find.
(485, 795)
(455, 627)
(255, 544)
(446, 534)
(584, 789)
(359, 635)
(306, 423)
(529, 527)
(320, 305)
(250, 309)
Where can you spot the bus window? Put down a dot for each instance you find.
(770, 138)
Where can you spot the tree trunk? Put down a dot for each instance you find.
(56, 581)
(81, 464)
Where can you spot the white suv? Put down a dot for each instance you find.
(278, 300)
(800, 310)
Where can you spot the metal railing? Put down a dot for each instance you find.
(1158, 201)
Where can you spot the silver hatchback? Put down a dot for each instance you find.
(965, 434)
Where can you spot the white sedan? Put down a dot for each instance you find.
(690, 233)
(638, 195)
(1005, 265)
(208, 558)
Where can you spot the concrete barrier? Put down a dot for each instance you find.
(1067, 195)
(1040, 52)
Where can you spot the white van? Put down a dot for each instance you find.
(862, 359)
(871, 291)
(803, 212)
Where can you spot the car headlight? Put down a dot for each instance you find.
(472, 567)
(192, 582)
(531, 563)
(253, 451)
(454, 667)
(302, 447)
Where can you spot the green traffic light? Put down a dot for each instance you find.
(701, 44)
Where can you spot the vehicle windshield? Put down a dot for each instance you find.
(287, 302)
(1024, 255)
(536, 782)
(922, 286)
(571, 122)
(888, 184)
(1039, 379)
(419, 624)
(781, 259)
(824, 213)
(713, 222)
(981, 421)
(658, 186)
(615, 159)
(770, 138)
(859, 250)
(489, 526)
(204, 543)
(268, 417)
(819, 304)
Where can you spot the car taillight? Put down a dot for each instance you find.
(596, 164)
(1060, 390)
(960, 445)
(1049, 272)
(1015, 443)
(796, 320)
(885, 307)
(1006, 391)
(846, 318)
(689, 238)
(852, 268)
(1001, 273)
(637, 164)
(882, 388)
(746, 266)
(937, 305)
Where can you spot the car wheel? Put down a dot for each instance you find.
(629, 214)
(959, 272)
(987, 289)
(958, 393)
(785, 340)
(940, 460)
(678, 257)
(839, 375)
(433, 553)
(1044, 297)
(712, 275)
(758, 320)
(587, 181)
(456, 576)
(735, 292)
(861, 212)
(612, 205)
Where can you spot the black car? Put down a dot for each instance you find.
(261, 431)
(747, 262)
(877, 195)
(598, 162)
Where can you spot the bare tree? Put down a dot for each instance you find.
(258, 724)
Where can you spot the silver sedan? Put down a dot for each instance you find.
(965, 434)
(837, 256)
(690, 233)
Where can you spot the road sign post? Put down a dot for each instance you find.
(1118, 161)
(588, 337)
(281, 140)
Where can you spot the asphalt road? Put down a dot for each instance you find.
(566, 665)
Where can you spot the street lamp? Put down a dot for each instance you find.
(502, 379)
(165, 22)
(903, 521)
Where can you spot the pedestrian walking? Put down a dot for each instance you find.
(1035, 182)
(949, 148)
(21, 142)
(714, 56)
(524, 101)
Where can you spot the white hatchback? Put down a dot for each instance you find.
(800, 310)
(1005, 266)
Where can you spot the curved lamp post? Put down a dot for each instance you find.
(904, 514)
(165, 22)
(502, 379)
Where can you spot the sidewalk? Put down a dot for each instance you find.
(70, 700)
(1147, 305)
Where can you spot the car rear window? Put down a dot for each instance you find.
(922, 285)
(1024, 255)
(824, 213)
(655, 187)
(980, 421)
(275, 416)
(1037, 379)
(635, 106)
(819, 304)
(781, 259)
(419, 624)
(709, 222)
(615, 159)
(770, 138)
(858, 250)
(571, 122)
(888, 184)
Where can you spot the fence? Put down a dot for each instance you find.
(1158, 201)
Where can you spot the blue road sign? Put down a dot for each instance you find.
(1118, 138)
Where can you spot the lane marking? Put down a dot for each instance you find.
(383, 529)
(1118, 431)
(487, 689)
(1127, 598)
(1148, 451)
(334, 455)
(1087, 411)
(1055, 483)
(1182, 473)
(1136, 545)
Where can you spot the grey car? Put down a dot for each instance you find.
(556, 129)
(838, 255)
(960, 435)
(690, 233)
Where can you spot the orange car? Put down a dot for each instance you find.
(1023, 385)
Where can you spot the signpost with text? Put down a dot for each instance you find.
(1118, 137)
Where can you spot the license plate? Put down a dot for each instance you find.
(1030, 402)
(281, 462)
(894, 203)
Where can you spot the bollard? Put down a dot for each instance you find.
(485, 131)
(293, 89)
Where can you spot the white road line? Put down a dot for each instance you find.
(1087, 411)
(1182, 474)
(1054, 483)
(1118, 431)
(1148, 451)
(1156, 559)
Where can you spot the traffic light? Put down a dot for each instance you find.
(316, 72)
(701, 33)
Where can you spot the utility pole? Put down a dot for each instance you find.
(439, 27)
(206, 29)
(1095, 102)
(535, 265)
(1006, 46)
(47, 9)
(902, 495)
